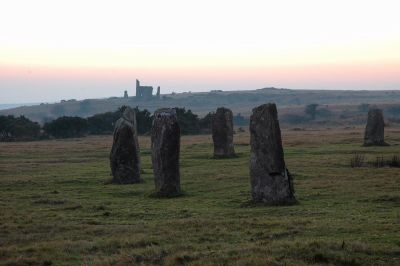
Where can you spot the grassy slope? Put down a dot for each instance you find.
(55, 206)
(202, 103)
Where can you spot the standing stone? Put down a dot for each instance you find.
(165, 145)
(124, 157)
(271, 182)
(375, 129)
(222, 133)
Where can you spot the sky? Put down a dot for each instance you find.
(52, 50)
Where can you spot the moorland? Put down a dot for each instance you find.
(57, 206)
(337, 106)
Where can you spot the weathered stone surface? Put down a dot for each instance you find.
(222, 133)
(271, 182)
(124, 156)
(165, 145)
(375, 129)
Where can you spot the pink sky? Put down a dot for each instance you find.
(73, 49)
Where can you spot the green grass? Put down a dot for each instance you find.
(56, 208)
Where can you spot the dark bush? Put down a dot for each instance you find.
(101, 124)
(205, 123)
(18, 128)
(188, 122)
(67, 127)
(144, 121)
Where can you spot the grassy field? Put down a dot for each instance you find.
(56, 207)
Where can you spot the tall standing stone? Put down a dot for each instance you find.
(124, 156)
(271, 182)
(375, 129)
(222, 133)
(165, 145)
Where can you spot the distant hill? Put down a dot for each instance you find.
(14, 105)
(204, 102)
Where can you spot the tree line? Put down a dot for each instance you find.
(22, 129)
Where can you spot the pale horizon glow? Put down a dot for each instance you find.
(53, 50)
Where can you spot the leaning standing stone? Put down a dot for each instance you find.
(124, 156)
(270, 180)
(222, 133)
(375, 129)
(165, 145)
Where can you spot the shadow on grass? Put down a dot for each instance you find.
(110, 181)
(209, 156)
(253, 204)
(161, 195)
(224, 157)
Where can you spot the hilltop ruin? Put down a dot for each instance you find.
(145, 92)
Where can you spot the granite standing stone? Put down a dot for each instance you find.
(222, 133)
(271, 182)
(375, 129)
(165, 145)
(124, 156)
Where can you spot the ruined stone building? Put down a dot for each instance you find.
(145, 92)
